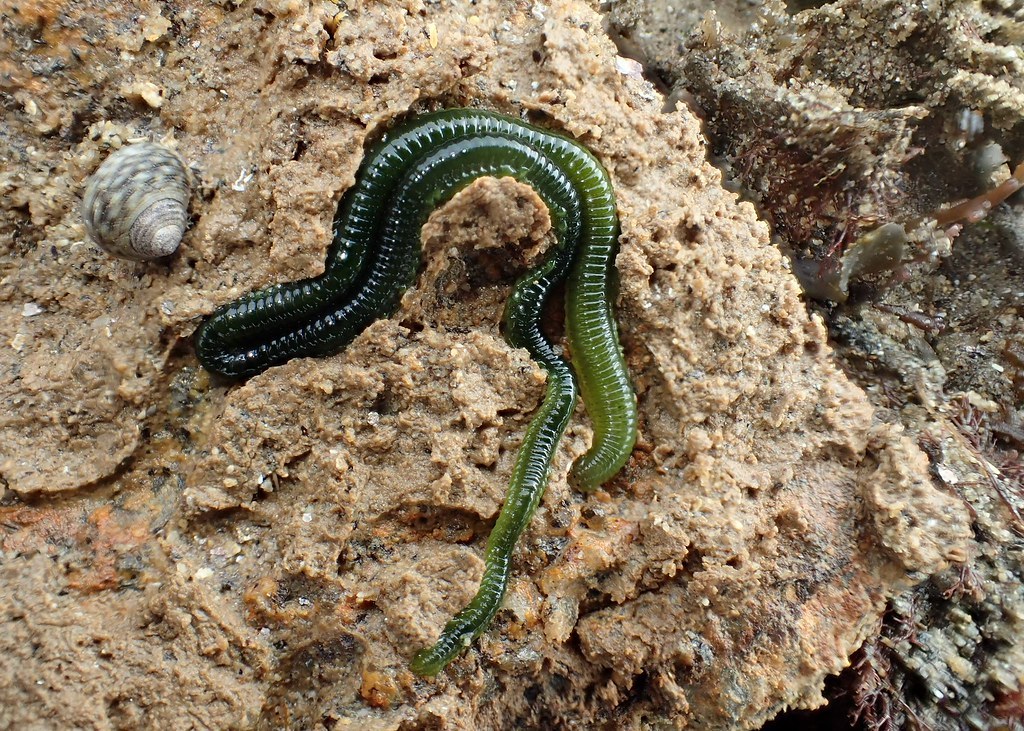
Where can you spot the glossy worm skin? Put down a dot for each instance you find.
(374, 258)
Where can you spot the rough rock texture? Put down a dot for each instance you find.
(847, 117)
(183, 553)
(856, 115)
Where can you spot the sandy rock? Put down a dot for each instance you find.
(310, 529)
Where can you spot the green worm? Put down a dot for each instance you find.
(375, 256)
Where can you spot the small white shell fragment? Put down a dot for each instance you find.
(136, 204)
(629, 67)
(145, 91)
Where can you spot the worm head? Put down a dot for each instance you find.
(136, 204)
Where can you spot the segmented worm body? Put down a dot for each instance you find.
(374, 258)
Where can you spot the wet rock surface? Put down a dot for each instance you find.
(179, 552)
(858, 129)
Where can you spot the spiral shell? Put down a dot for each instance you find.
(136, 204)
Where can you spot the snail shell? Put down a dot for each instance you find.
(136, 204)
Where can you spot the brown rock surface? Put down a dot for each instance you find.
(859, 128)
(180, 553)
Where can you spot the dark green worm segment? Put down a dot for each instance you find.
(374, 258)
